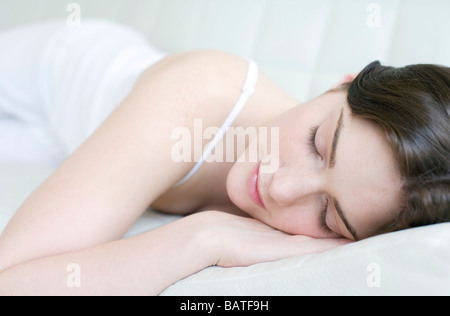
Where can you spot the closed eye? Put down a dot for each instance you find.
(323, 218)
(312, 141)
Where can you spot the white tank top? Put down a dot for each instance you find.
(247, 91)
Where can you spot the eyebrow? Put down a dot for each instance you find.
(346, 223)
(337, 133)
(331, 164)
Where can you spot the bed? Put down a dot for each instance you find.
(305, 46)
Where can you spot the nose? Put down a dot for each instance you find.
(295, 185)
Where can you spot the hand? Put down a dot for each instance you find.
(240, 241)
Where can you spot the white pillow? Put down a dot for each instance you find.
(410, 262)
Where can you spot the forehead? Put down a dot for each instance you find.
(369, 181)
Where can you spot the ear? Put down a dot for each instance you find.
(346, 78)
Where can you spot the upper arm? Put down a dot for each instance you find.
(105, 185)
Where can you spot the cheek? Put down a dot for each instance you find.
(292, 134)
(237, 185)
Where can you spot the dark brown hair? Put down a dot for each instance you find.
(412, 106)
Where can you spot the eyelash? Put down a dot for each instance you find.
(312, 141)
(323, 218)
(315, 151)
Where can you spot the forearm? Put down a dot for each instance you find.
(142, 265)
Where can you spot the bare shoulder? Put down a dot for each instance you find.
(220, 73)
(219, 69)
(194, 85)
(223, 74)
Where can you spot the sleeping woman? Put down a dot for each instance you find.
(100, 104)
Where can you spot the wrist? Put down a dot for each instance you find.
(204, 239)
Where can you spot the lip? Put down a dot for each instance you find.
(252, 186)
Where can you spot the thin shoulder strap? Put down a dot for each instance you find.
(247, 91)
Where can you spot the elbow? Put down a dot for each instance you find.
(3, 291)
(6, 261)
(4, 267)
(4, 288)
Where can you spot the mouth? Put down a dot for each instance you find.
(252, 186)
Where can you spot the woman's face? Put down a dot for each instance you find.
(336, 174)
